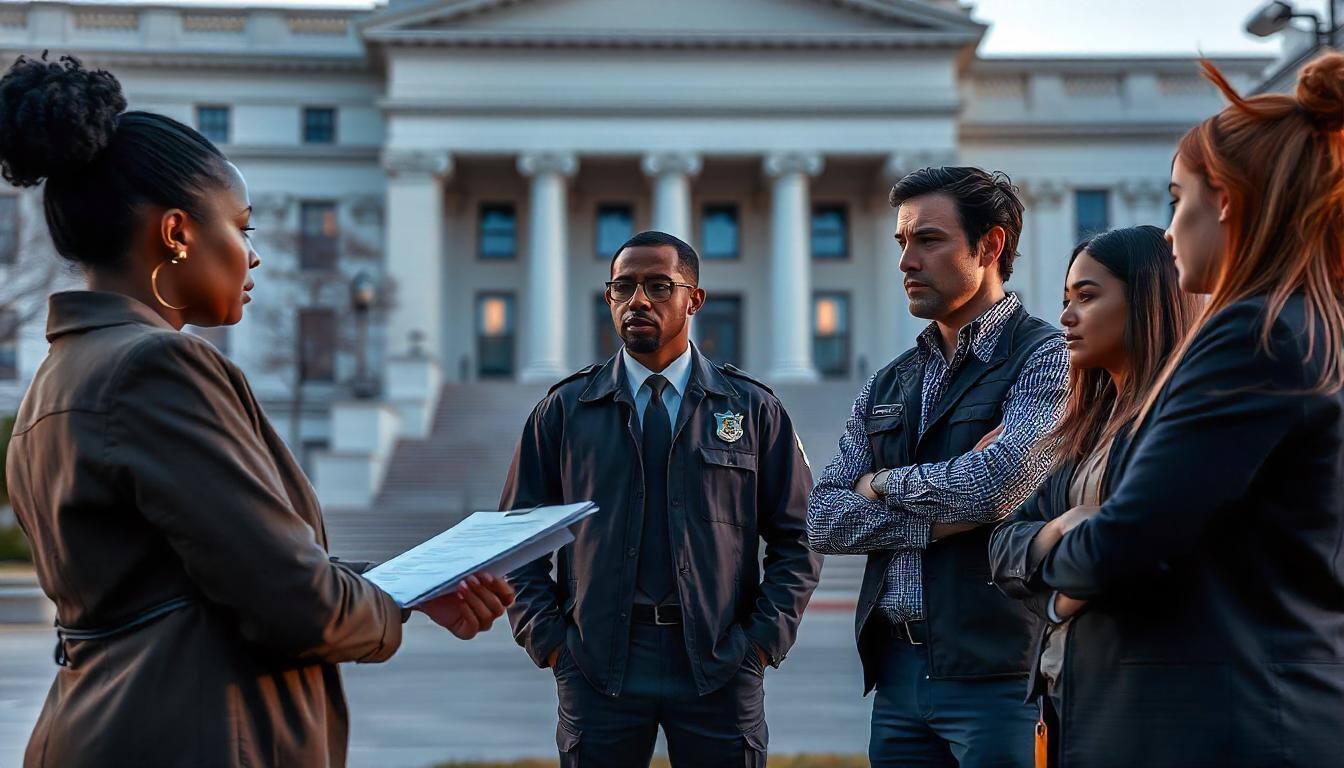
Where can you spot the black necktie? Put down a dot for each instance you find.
(655, 556)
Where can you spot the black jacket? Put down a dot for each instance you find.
(1215, 569)
(1016, 573)
(582, 442)
(973, 630)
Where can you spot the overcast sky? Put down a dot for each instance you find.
(1060, 27)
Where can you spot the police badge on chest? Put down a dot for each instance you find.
(729, 426)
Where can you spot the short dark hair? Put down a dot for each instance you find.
(686, 255)
(67, 125)
(984, 201)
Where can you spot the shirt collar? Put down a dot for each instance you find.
(983, 332)
(677, 373)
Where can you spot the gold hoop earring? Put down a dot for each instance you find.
(154, 282)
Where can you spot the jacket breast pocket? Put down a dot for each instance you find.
(885, 435)
(728, 480)
(969, 423)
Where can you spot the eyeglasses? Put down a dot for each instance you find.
(657, 290)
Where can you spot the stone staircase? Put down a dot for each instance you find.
(434, 482)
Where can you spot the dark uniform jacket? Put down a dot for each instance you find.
(582, 443)
(973, 630)
(1214, 635)
(169, 522)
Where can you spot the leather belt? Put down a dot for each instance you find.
(657, 615)
(64, 634)
(912, 632)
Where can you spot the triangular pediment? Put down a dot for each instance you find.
(659, 22)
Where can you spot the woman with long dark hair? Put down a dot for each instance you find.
(1208, 590)
(1124, 314)
(200, 619)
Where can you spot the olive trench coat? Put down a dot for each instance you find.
(186, 555)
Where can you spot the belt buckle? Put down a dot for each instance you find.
(909, 636)
(658, 618)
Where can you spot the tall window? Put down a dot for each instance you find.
(830, 232)
(718, 328)
(497, 234)
(605, 340)
(213, 123)
(830, 334)
(719, 233)
(319, 125)
(317, 344)
(9, 229)
(494, 335)
(318, 236)
(1091, 213)
(9, 345)
(615, 225)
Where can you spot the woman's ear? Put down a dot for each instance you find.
(175, 230)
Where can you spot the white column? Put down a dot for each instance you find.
(544, 308)
(415, 249)
(1051, 231)
(791, 266)
(671, 173)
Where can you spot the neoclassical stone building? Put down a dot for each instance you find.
(480, 159)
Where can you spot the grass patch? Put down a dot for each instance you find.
(780, 761)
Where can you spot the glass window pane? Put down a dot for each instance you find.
(830, 232)
(213, 123)
(319, 125)
(498, 235)
(1091, 209)
(605, 340)
(494, 335)
(830, 334)
(615, 225)
(9, 345)
(317, 344)
(718, 329)
(719, 232)
(319, 232)
(9, 229)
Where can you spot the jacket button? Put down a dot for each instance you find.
(623, 615)
(631, 552)
(676, 502)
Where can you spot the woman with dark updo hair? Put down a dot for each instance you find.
(199, 617)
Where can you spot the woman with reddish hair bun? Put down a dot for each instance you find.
(1206, 593)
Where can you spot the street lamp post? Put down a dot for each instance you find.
(363, 293)
(1273, 17)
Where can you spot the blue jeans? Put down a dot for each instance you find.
(921, 722)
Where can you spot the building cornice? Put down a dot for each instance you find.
(680, 40)
(559, 106)
(302, 152)
(198, 60)
(1162, 130)
(997, 65)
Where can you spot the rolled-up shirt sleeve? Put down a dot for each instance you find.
(843, 522)
(986, 486)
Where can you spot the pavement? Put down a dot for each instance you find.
(443, 699)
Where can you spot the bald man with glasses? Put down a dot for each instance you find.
(659, 614)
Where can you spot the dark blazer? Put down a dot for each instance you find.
(1215, 569)
(1016, 573)
(582, 442)
(167, 517)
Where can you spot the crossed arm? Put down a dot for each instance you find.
(922, 502)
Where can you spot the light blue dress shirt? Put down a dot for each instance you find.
(677, 373)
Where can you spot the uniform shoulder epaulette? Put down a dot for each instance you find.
(734, 371)
(575, 375)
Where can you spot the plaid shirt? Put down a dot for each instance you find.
(978, 487)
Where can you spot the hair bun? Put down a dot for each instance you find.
(54, 117)
(1320, 91)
